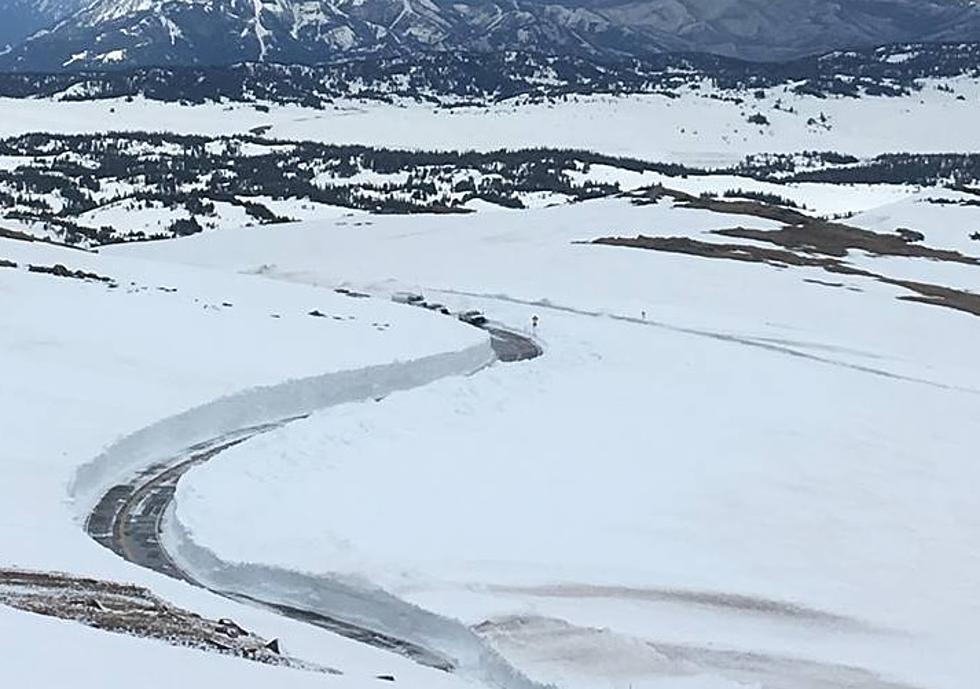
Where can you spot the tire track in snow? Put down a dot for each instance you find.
(581, 649)
(768, 344)
(732, 602)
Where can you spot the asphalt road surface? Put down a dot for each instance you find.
(510, 346)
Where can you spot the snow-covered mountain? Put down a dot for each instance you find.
(21, 18)
(120, 33)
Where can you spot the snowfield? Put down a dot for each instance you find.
(720, 474)
(704, 126)
(949, 225)
(746, 457)
(85, 365)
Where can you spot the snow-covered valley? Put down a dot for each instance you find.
(697, 124)
(744, 459)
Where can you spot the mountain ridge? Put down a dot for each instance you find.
(111, 34)
(450, 79)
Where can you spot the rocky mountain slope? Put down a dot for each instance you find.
(21, 18)
(128, 33)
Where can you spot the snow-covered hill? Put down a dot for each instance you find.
(99, 360)
(117, 33)
(91, 190)
(658, 493)
(744, 459)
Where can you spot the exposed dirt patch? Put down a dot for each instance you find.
(756, 209)
(24, 237)
(926, 293)
(803, 241)
(14, 234)
(4, 263)
(734, 252)
(802, 232)
(834, 239)
(938, 295)
(824, 283)
(60, 271)
(133, 610)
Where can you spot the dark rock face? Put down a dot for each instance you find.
(21, 18)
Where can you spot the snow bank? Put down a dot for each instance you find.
(262, 405)
(738, 460)
(349, 599)
(83, 365)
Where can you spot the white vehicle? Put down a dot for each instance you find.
(473, 318)
(407, 298)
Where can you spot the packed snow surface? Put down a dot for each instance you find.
(705, 127)
(720, 474)
(85, 364)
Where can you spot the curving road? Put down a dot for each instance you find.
(128, 518)
(510, 346)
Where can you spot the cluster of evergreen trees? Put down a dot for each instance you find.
(454, 78)
(63, 177)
